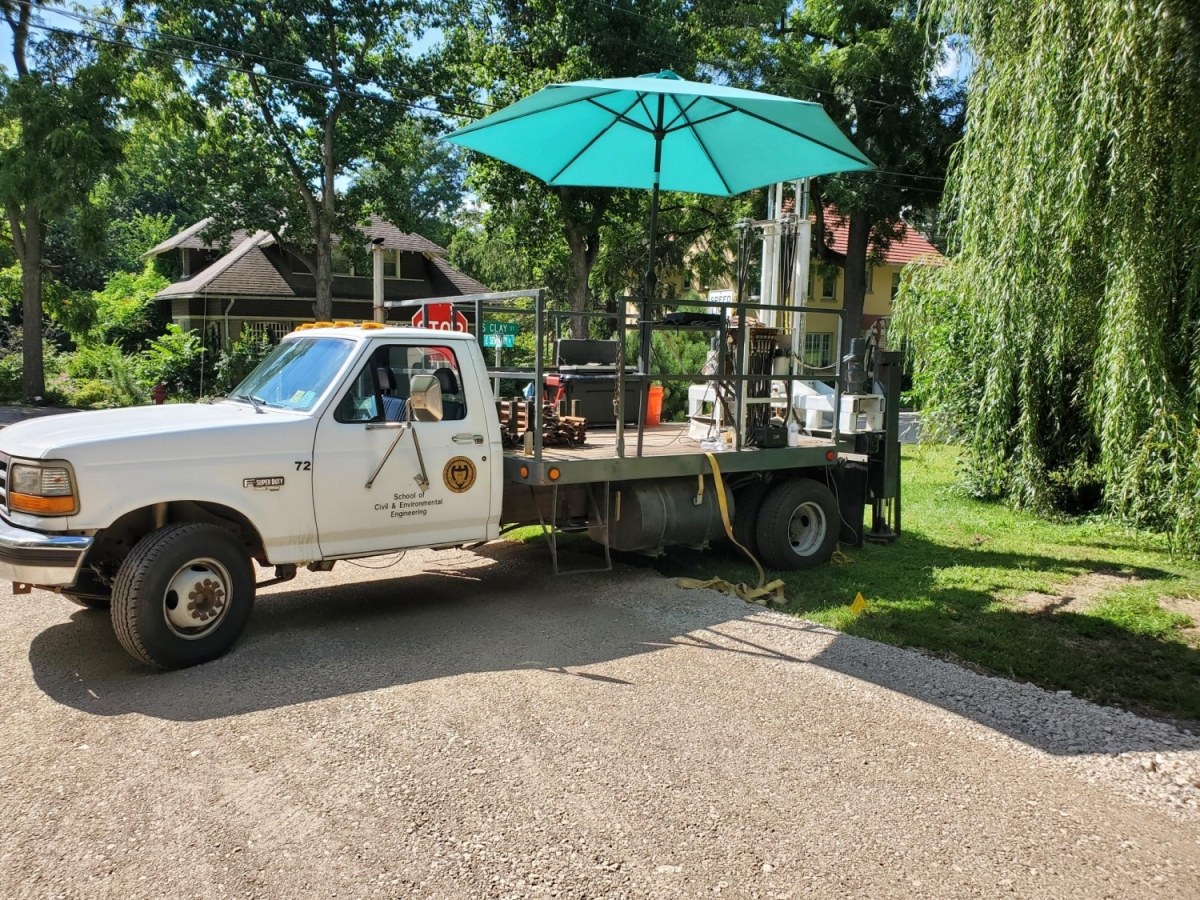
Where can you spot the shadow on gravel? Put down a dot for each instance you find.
(502, 611)
(943, 599)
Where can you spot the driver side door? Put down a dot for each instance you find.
(354, 436)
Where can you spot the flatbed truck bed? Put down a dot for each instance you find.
(667, 451)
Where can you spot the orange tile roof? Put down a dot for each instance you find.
(909, 244)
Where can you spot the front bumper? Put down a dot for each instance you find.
(30, 557)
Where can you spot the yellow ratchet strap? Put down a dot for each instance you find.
(763, 594)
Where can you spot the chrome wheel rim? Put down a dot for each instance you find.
(806, 529)
(197, 599)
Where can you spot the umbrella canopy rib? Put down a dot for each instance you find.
(689, 123)
(620, 117)
(669, 126)
(485, 123)
(595, 137)
(712, 162)
(649, 115)
(799, 134)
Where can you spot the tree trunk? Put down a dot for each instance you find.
(323, 308)
(854, 290)
(584, 249)
(33, 379)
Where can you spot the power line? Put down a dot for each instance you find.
(79, 35)
(88, 19)
(85, 18)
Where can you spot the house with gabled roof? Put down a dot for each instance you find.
(247, 280)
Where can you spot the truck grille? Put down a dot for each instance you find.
(3, 482)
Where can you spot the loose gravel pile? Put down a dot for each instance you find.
(466, 726)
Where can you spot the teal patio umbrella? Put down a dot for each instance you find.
(662, 132)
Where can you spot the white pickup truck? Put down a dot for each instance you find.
(348, 442)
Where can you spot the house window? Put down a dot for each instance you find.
(870, 279)
(412, 266)
(828, 287)
(818, 350)
(895, 284)
(389, 263)
(341, 264)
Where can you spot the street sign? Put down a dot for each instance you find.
(501, 328)
(440, 316)
(498, 340)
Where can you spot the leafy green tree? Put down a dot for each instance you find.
(298, 92)
(870, 64)
(60, 132)
(506, 49)
(127, 313)
(1063, 341)
(414, 181)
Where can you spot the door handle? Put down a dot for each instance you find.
(468, 439)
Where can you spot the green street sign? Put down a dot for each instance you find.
(497, 340)
(509, 328)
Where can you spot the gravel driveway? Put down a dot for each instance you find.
(479, 729)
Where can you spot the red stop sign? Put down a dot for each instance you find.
(440, 316)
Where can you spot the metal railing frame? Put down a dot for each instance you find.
(478, 302)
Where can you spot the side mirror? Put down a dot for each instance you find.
(425, 398)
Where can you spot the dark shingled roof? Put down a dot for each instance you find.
(189, 239)
(395, 239)
(244, 270)
(465, 283)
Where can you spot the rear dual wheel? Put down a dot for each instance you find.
(183, 595)
(798, 525)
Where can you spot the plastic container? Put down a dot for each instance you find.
(654, 400)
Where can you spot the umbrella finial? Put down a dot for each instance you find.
(665, 73)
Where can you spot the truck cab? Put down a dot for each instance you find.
(348, 441)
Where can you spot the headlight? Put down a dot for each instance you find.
(41, 490)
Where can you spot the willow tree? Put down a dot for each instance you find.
(1062, 343)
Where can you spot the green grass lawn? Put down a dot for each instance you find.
(953, 585)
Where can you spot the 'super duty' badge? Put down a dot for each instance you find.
(459, 474)
(270, 483)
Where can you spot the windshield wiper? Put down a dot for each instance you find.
(253, 401)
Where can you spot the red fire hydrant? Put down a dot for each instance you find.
(160, 394)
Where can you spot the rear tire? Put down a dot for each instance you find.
(798, 525)
(102, 604)
(747, 504)
(183, 595)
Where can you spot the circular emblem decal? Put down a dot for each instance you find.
(459, 474)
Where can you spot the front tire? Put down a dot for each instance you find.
(183, 595)
(798, 525)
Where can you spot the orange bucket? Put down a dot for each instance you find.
(654, 405)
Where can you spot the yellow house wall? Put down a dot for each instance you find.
(878, 301)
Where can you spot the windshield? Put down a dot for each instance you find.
(295, 375)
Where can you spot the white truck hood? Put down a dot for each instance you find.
(160, 428)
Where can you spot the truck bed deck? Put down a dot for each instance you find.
(666, 451)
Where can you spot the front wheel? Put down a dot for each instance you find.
(798, 525)
(183, 595)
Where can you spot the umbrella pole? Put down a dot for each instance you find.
(648, 288)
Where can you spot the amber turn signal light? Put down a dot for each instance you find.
(42, 506)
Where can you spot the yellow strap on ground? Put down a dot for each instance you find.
(763, 594)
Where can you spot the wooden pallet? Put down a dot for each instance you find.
(516, 416)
